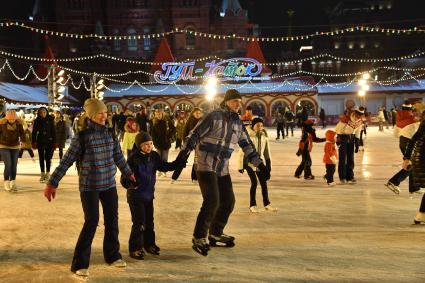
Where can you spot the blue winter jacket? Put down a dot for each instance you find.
(144, 167)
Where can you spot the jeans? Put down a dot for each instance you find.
(10, 159)
(305, 165)
(252, 192)
(290, 125)
(401, 175)
(330, 171)
(142, 231)
(45, 154)
(346, 157)
(30, 151)
(111, 245)
(280, 129)
(218, 203)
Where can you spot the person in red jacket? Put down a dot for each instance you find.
(308, 136)
(330, 157)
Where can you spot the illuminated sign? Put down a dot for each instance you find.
(235, 69)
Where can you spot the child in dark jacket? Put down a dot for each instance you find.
(308, 136)
(144, 163)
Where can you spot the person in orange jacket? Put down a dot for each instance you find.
(330, 157)
(308, 136)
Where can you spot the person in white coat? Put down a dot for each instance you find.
(348, 137)
(260, 140)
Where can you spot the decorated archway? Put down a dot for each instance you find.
(306, 103)
(258, 107)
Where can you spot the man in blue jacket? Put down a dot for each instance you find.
(214, 139)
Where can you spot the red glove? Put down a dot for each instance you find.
(50, 192)
(132, 178)
(34, 145)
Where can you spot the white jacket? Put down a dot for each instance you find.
(261, 146)
(349, 128)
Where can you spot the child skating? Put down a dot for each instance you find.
(144, 163)
(330, 157)
(308, 136)
(260, 140)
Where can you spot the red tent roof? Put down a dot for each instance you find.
(253, 50)
(163, 54)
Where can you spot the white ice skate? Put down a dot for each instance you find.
(419, 218)
(201, 246)
(395, 189)
(13, 187)
(253, 209)
(82, 272)
(7, 185)
(269, 207)
(120, 263)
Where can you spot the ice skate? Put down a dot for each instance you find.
(395, 189)
(342, 182)
(352, 181)
(331, 184)
(269, 207)
(42, 177)
(311, 177)
(419, 218)
(152, 249)
(221, 241)
(13, 187)
(253, 209)
(200, 246)
(139, 255)
(82, 273)
(47, 177)
(120, 263)
(7, 185)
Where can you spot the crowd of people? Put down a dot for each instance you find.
(139, 145)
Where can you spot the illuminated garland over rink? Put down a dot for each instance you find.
(280, 63)
(197, 88)
(367, 29)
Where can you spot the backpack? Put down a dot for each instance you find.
(81, 134)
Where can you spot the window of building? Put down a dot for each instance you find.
(131, 40)
(75, 4)
(146, 40)
(116, 42)
(137, 4)
(362, 45)
(337, 45)
(190, 38)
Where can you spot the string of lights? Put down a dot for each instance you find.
(195, 88)
(352, 29)
(280, 63)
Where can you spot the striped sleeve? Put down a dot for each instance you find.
(72, 154)
(120, 160)
(200, 130)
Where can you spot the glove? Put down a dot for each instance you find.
(132, 178)
(241, 171)
(54, 146)
(50, 192)
(128, 182)
(34, 145)
(269, 165)
(182, 157)
(299, 152)
(264, 172)
(333, 159)
(356, 145)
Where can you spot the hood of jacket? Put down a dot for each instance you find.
(404, 118)
(330, 136)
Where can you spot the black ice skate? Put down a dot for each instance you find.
(200, 246)
(222, 241)
(152, 249)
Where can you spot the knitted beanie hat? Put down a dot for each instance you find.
(141, 138)
(93, 106)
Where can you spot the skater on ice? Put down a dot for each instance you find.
(260, 139)
(214, 139)
(102, 154)
(144, 162)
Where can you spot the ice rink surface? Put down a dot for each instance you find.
(347, 233)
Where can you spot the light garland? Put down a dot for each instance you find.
(352, 29)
